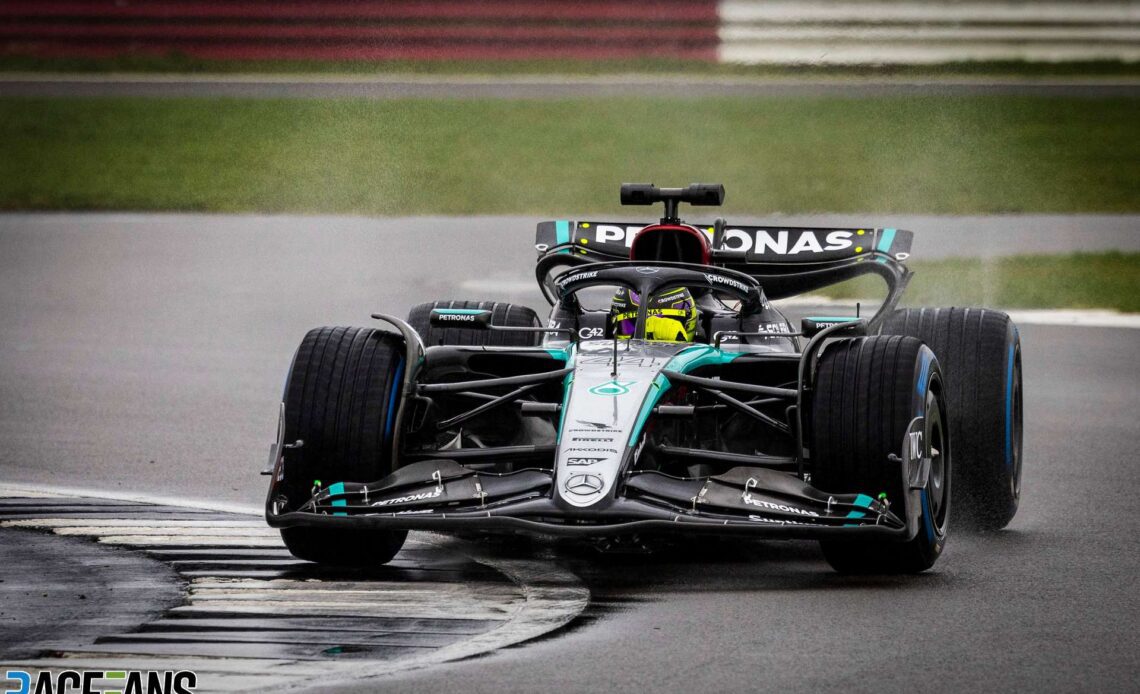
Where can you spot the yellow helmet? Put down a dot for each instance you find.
(672, 315)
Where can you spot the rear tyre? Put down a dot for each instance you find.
(340, 399)
(508, 315)
(980, 354)
(867, 392)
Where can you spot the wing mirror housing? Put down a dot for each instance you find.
(460, 318)
(813, 325)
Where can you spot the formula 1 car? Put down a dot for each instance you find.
(664, 394)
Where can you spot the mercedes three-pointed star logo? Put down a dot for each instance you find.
(583, 484)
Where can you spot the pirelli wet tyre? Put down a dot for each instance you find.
(980, 354)
(508, 315)
(867, 393)
(340, 401)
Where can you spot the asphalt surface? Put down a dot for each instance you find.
(148, 353)
(68, 590)
(539, 87)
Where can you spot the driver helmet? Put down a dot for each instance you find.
(672, 315)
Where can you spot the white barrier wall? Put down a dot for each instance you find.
(909, 32)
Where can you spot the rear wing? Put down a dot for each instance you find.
(750, 245)
(787, 261)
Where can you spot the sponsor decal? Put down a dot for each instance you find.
(780, 242)
(97, 681)
(584, 484)
(578, 462)
(422, 496)
(776, 521)
(596, 425)
(640, 447)
(612, 388)
(753, 501)
(726, 281)
(591, 333)
(458, 317)
(822, 324)
(609, 233)
(914, 444)
(579, 449)
(576, 277)
(758, 241)
(595, 439)
(631, 362)
(648, 270)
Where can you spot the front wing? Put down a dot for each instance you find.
(441, 495)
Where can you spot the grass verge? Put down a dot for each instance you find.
(181, 63)
(980, 154)
(1083, 280)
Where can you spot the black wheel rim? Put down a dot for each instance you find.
(938, 450)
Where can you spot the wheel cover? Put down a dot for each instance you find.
(937, 448)
(1016, 425)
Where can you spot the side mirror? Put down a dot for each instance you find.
(812, 325)
(460, 318)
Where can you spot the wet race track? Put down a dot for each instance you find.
(145, 355)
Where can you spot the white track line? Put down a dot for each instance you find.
(44, 490)
(1082, 318)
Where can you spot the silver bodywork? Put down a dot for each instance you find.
(600, 429)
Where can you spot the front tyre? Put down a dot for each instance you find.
(341, 400)
(867, 393)
(980, 354)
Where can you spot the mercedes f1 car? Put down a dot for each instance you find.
(664, 394)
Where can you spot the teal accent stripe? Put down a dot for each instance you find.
(833, 319)
(886, 240)
(660, 385)
(461, 311)
(567, 382)
(338, 488)
(561, 232)
(861, 500)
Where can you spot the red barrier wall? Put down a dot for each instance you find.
(362, 30)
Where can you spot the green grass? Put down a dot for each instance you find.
(983, 154)
(1083, 280)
